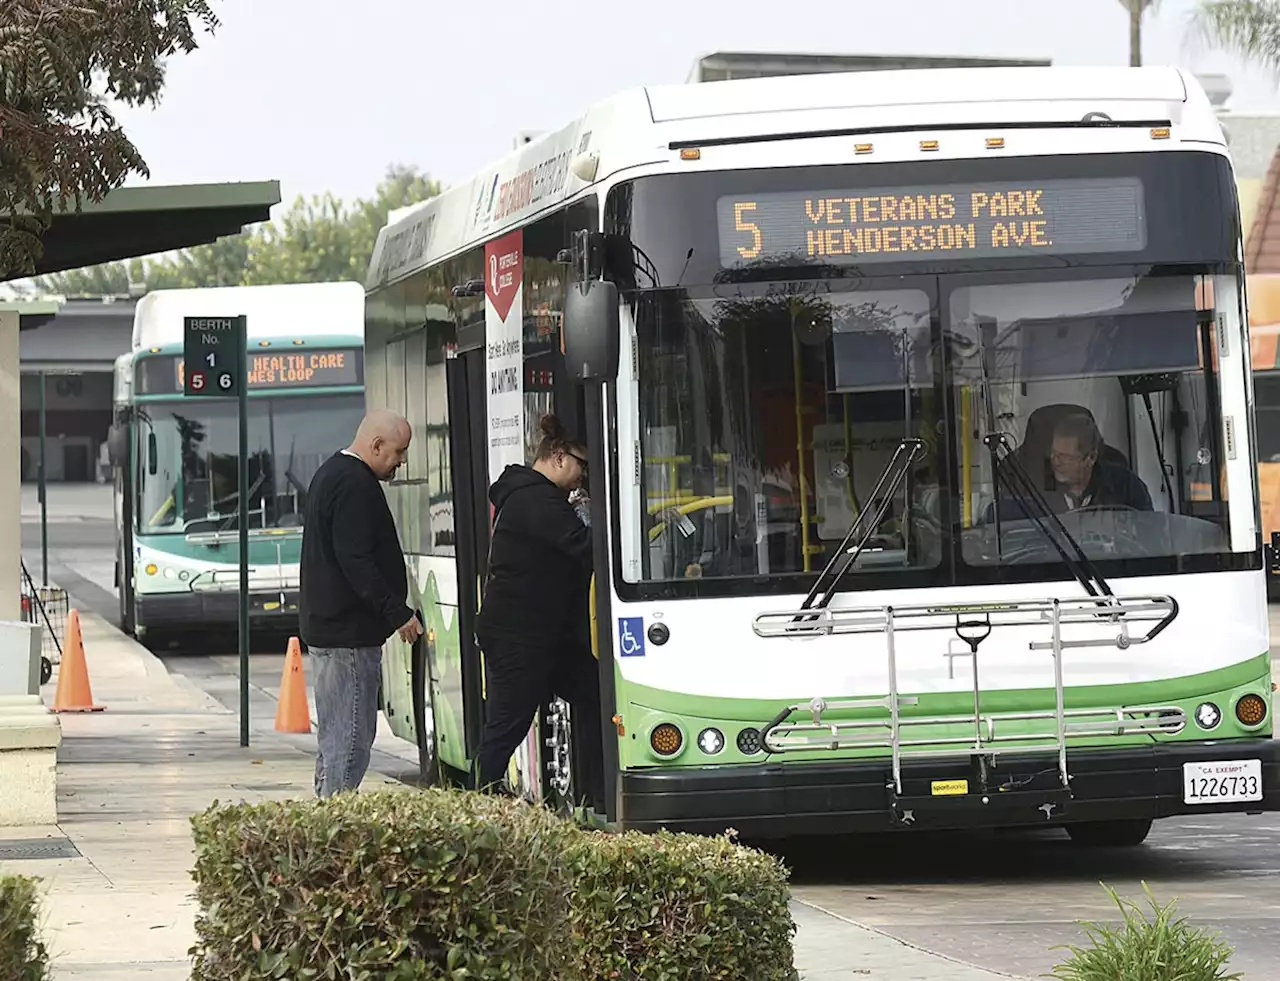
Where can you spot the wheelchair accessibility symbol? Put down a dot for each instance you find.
(631, 636)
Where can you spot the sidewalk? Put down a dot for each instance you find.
(116, 869)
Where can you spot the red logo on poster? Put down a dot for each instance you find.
(503, 271)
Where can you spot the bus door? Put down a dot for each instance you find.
(465, 376)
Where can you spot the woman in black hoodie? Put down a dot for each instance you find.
(533, 625)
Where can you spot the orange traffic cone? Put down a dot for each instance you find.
(292, 714)
(74, 693)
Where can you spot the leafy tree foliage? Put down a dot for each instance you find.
(1249, 28)
(318, 240)
(60, 63)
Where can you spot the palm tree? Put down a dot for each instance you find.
(1136, 9)
(1248, 28)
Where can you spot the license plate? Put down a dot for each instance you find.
(1222, 781)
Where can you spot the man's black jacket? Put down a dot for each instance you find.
(353, 579)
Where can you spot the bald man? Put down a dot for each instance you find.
(352, 594)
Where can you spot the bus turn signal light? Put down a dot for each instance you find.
(1251, 710)
(666, 739)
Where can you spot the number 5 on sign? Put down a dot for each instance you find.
(757, 239)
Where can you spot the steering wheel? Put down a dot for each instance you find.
(1133, 545)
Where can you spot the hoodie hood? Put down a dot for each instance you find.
(516, 477)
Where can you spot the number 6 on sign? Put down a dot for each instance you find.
(225, 381)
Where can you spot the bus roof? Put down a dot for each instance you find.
(304, 309)
(646, 127)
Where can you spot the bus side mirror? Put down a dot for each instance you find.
(591, 327)
(118, 445)
(153, 454)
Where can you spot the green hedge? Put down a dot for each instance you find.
(22, 956)
(445, 884)
(672, 907)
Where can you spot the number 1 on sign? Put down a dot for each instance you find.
(212, 359)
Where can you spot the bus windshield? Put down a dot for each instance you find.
(768, 411)
(193, 486)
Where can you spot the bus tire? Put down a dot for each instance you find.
(428, 755)
(127, 625)
(1126, 833)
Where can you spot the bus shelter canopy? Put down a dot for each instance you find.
(138, 221)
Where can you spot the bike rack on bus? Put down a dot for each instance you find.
(1094, 621)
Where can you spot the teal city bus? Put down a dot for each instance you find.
(174, 458)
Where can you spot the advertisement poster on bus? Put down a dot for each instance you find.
(504, 397)
(504, 350)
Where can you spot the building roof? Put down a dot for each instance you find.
(1262, 249)
(31, 313)
(724, 65)
(136, 221)
(83, 335)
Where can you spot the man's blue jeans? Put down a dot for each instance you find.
(347, 683)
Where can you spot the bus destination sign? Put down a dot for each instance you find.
(855, 226)
(276, 370)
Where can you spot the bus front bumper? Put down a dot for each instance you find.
(770, 800)
(206, 608)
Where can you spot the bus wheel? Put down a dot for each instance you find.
(559, 759)
(428, 757)
(1110, 834)
(126, 606)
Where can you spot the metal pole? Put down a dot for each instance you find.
(242, 378)
(44, 490)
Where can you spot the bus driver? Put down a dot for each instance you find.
(1082, 478)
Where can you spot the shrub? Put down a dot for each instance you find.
(392, 886)
(22, 956)
(1162, 948)
(454, 885)
(670, 907)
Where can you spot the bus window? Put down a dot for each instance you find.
(1113, 410)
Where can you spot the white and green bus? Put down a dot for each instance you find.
(176, 489)
(922, 448)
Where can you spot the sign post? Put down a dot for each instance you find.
(214, 366)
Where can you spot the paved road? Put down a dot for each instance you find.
(1002, 901)
(998, 902)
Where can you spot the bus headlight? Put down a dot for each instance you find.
(1208, 715)
(666, 739)
(151, 569)
(711, 741)
(749, 742)
(1251, 710)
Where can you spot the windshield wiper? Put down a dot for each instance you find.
(1020, 486)
(842, 561)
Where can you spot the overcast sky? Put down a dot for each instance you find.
(323, 94)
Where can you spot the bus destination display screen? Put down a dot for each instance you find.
(276, 369)
(984, 220)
